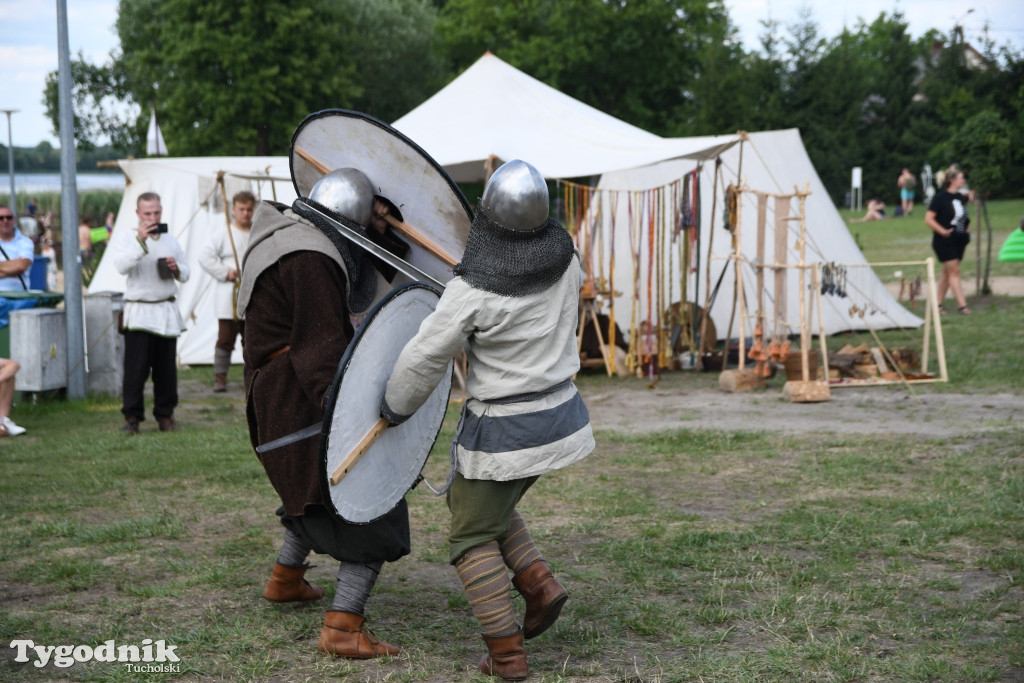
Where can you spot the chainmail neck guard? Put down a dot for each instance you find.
(362, 279)
(514, 262)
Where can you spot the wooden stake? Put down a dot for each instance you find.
(940, 346)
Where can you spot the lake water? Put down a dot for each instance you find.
(50, 182)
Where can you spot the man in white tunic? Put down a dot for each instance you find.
(514, 306)
(221, 257)
(154, 263)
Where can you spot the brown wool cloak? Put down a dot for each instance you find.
(298, 300)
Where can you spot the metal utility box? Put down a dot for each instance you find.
(39, 344)
(15, 301)
(103, 343)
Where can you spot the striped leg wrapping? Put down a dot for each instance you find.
(518, 548)
(483, 575)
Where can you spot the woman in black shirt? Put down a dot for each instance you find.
(950, 224)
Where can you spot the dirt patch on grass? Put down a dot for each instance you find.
(686, 400)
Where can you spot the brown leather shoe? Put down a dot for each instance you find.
(343, 635)
(131, 425)
(167, 424)
(287, 585)
(220, 382)
(544, 598)
(505, 657)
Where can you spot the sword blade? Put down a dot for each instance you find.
(381, 253)
(301, 435)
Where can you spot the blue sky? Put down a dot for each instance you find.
(28, 38)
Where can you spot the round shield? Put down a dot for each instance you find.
(435, 214)
(373, 473)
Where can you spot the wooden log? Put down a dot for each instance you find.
(806, 392)
(734, 381)
(876, 355)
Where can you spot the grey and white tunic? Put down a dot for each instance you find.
(526, 417)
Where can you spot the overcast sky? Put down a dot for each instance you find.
(28, 47)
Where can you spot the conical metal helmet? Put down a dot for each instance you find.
(516, 197)
(346, 192)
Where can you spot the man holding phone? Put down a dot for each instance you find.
(154, 264)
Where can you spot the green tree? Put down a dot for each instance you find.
(760, 96)
(102, 106)
(889, 60)
(982, 147)
(652, 63)
(230, 77)
(396, 60)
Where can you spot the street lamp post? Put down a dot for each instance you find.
(69, 213)
(10, 159)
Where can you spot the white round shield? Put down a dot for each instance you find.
(436, 216)
(373, 475)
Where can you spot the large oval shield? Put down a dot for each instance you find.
(390, 466)
(435, 214)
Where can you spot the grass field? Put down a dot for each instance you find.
(907, 238)
(690, 555)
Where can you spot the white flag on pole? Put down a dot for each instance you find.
(155, 145)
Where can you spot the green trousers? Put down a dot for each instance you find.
(481, 511)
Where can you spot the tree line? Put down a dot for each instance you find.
(235, 77)
(45, 158)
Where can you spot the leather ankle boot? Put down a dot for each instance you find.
(505, 657)
(544, 598)
(220, 382)
(343, 635)
(287, 585)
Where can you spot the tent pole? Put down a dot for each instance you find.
(707, 293)
(696, 255)
(736, 253)
(741, 364)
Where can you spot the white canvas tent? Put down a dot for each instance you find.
(193, 207)
(774, 163)
(493, 112)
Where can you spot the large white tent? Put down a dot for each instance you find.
(193, 205)
(493, 113)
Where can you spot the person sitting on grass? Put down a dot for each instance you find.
(875, 212)
(8, 369)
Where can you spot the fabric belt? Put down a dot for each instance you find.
(143, 301)
(522, 398)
